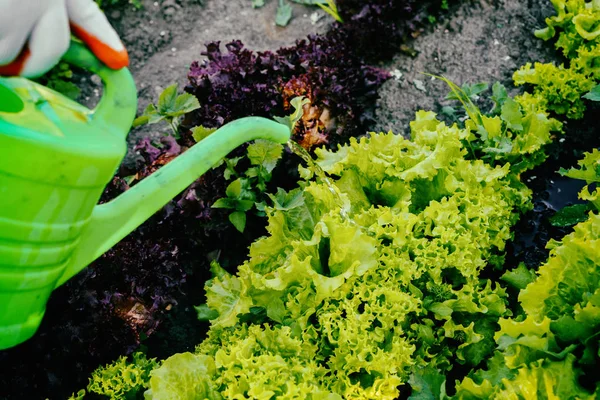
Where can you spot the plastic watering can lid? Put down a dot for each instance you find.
(48, 137)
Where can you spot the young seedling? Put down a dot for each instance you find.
(59, 79)
(248, 189)
(170, 108)
(285, 11)
(331, 8)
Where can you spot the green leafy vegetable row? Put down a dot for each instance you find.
(561, 88)
(368, 275)
(550, 347)
(370, 282)
(363, 283)
(554, 344)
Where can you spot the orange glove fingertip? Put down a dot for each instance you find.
(16, 66)
(112, 58)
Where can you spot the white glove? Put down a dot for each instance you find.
(34, 35)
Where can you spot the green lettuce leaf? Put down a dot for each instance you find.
(184, 376)
(569, 274)
(519, 277)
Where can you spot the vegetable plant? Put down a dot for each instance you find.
(552, 348)
(362, 285)
(59, 79)
(121, 380)
(170, 108)
(249, 189)
(370, 299)
(285, 12)
(590, 173)
(561, 88)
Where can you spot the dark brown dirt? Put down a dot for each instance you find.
(484, 41)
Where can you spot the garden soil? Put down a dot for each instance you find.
(164, 37)
(481, 41)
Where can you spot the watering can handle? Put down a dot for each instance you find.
(118, 105)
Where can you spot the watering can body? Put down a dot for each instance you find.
(56, 159)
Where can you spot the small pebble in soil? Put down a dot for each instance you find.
(96, 79)
(397, 74)
(314, 18)
(419, 85)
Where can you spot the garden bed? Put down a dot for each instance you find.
(142, 294)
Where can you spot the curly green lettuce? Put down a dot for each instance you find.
(577, 23)
(375, 274)
(561, 88)
(515, 131)
(371, 276)
(184, 376)
(263, 362)
(123, 379)
(558, 88)
(589, 172)
(546, 352)
(571, 276)
(543, 379)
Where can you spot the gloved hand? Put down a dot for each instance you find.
(34, 35)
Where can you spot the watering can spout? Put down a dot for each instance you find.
(112, 221)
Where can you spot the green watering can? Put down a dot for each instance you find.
(56, 157)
